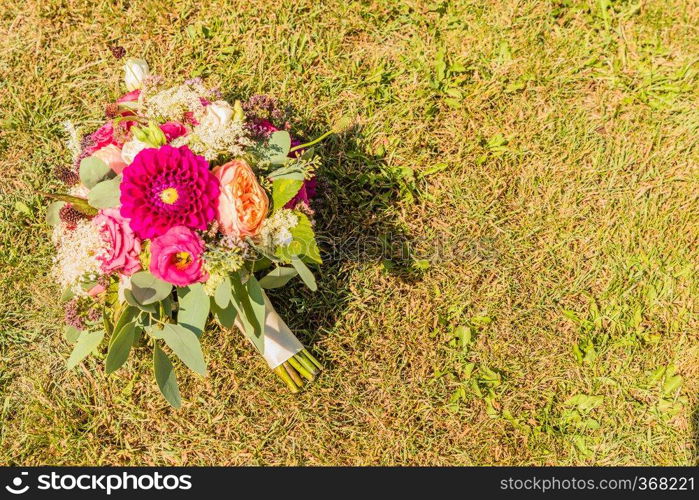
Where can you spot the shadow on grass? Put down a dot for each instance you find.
(355, 228)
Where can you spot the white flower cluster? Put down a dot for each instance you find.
(171, 104)
(217, 133)
(76, 255)
(276, 230)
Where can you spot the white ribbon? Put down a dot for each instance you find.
(280, 343)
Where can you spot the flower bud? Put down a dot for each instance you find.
(135, 70)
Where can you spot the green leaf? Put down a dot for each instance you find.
(279, 144)
(283, 191)
(225, 316)
(247, 311)
(131, 300)
(52, 212)
(194, 307)
(305, 273)
(257, 301)
(22, 208)
(128, 315)
(303, 233)
(186, 346)
(278, 277)
(119, 347)
(671, 384)
(94, 170)
(71, 334)
(303, 243)
(584, 403)
(223, 295)
(79, 204)
(105, 194)
(147, 289)
(67, 294)
(165, 377)
(87, 343)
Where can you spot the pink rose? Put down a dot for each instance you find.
(103, 136)
(242, 204)
(111, 155)
(176, 257)
(173, 130)
(122, 247)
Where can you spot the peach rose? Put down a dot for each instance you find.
(111, 155)
(242, 204)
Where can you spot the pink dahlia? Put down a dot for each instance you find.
(176, 257)
(168, 187)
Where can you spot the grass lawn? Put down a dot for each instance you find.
(511, 233)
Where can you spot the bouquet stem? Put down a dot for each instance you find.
(281, 372)
(293, 369)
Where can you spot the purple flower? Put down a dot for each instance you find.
(168, 187)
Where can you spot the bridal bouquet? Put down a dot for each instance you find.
(183, 206)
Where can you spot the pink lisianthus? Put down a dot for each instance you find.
(173, 130)
(122, 247)
(176, 257)
(111, 155)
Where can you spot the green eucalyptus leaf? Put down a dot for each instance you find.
(305, 273)
(194, 307)
(223, 295)
(131, 300)
(93, 170)
(120, 347)
(242, 303)
(87, 343)
(185, 344)
(278, 277)
(165, 377)
(257, 302)
(52, 212)
(71, 334)
(276, 149)
(280, 143)
(105, 194)
(225, 316)
(128, 314)
(147, 289)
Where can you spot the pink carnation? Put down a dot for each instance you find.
(121, 245)
(173, 130)
(176, 257)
